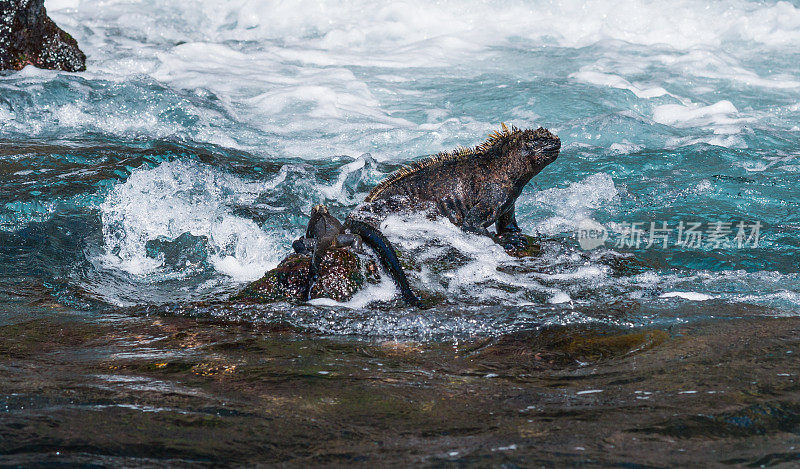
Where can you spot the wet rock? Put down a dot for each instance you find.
(530, 247)
(29, 36)
(342, 274)
(287, 282)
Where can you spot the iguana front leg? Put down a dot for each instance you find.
(509, 235)
(304, 245)
(507, 222)
(351, 240)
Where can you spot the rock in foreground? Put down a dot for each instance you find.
(342, 274)
(29, 36)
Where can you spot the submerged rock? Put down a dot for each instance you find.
(29, 36)
(342, 274)
(530, 247)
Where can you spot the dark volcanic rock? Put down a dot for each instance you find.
(287, 282)
(29, 36)
(530, 247)
(341, 274)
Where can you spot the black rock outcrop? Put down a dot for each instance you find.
(29, 36)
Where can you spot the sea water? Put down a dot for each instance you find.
(184, 161)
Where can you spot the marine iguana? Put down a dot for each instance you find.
(325, 232)
(473, 187)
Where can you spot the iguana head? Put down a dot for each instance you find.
(322, 223)
(319, 210)
(539, 146)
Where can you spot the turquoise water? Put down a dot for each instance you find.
(181, 165)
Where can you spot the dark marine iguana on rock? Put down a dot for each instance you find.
(473, 187)
(325, 232)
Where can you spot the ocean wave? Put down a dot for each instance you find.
(358, 24)
(184, 197)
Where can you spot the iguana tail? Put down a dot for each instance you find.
(313, 270)
(386, 253)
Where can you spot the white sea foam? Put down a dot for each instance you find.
(361, 24)
(687, 295)
(719, 65)
(180, 197)
(184, 197)
(616, 81)
(269, 77)
(721, 118)
(336, 191)
(385, 290)
(478, 274)
(575, 202)
(624, 147)
(721, 113)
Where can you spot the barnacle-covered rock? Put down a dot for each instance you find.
(29, 36)
(287, 282)
(342, 274)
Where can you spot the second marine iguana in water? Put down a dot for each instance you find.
(473, 187)
(325, 232)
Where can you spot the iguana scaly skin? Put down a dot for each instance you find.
(325, 232)
(473, 187)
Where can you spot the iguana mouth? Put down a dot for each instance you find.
(552, 147)
(547, 150)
